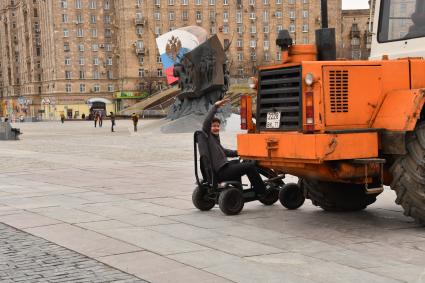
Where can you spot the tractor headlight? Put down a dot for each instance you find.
(309, 79)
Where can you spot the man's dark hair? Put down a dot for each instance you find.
(215, 120)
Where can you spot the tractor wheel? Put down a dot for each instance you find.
(291, 196)
(201, 201)
(231, 201)
(409, 176)
(337, 196)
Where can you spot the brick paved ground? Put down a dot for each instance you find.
(26, 258)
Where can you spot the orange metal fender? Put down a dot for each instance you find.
(400, 110)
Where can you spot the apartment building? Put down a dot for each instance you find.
(69, 54)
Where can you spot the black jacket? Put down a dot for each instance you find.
(219, 154)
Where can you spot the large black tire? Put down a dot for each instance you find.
(409, 176)
(200, 199)
(231, 201)
(337, 196)
(291, 196)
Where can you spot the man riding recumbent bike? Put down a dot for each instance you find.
(221, 179)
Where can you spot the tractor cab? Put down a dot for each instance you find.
(399, 29)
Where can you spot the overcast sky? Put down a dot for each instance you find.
(355, 4)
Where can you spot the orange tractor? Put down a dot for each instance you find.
(346, 128)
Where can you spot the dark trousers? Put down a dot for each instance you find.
(100, 122)
(95, 123)
(233, 171)
(135, 127)
(112, 126)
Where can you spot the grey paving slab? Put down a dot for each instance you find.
(237, 246)
(155, 268)
(98, 226)
(204, 259)
(26, 219)
(143, 219)
(185, 231)
(81, 240)
(152, 240)
(68, 215)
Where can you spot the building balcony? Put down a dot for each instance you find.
(140, 51)
(355, 33)
(139, 21)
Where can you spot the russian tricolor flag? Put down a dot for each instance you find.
(174, 44)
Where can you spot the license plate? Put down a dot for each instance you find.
(273, 120)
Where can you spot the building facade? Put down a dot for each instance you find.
(355, 35)
(60, 56)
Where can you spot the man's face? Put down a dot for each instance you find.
(215, 128)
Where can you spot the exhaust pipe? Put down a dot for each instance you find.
(325, 37)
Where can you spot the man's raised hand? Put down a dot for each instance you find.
(222, 102)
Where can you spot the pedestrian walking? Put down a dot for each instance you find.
(100, 119)
(112, 121)
(96, 118)
(62, 118)
(135, 119)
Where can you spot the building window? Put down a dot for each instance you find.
(108, 47)
(108, 32)
(225, 2)
(96, 88)
(185, 15)
(79, 19)
(93, 32)
(225, 29)
(94, 47)
(266, 56)
(198, 2)
(305, 40)
(82, 88)
(253, 43)
(266, 2)
(64, 18)
(198, 15)
(96, 75)
(80, 32)
(64, 4)
(253, 29)
(158, 3)
(252, 2)
(279, 28)
(253, 56)
(107, 19)
(239, 17)
(185, 2)
(171, 2)
(239, 43)
(68, 61)
(141, 60)
(266, 29)
(65, 33)
(81, 47)
(213, 30)
(68, 88)
(82, 75)
(159, 73)
(78, 4)
(139, 44)
(240, 72)
(252, 16)
(106, 5)
(266, 16)
(292, 14)
(81, 61)
(95, 61)
(212, 2)
(158, 59)
(110, 75)
(305, 28)
(240, 57)
(292, 28)
(225, 16)
(93, 19)
(305, 14)
(278, 14)
(92, 4)
(68, 75)
(171, 16)
(278, 56)
(157, 16)
(266, 45)
(110, 88)
(141, 73)
(239, 29)
(66, 47)
(109, 61)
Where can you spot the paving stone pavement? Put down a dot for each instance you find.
(26, 258)
(124, 199)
